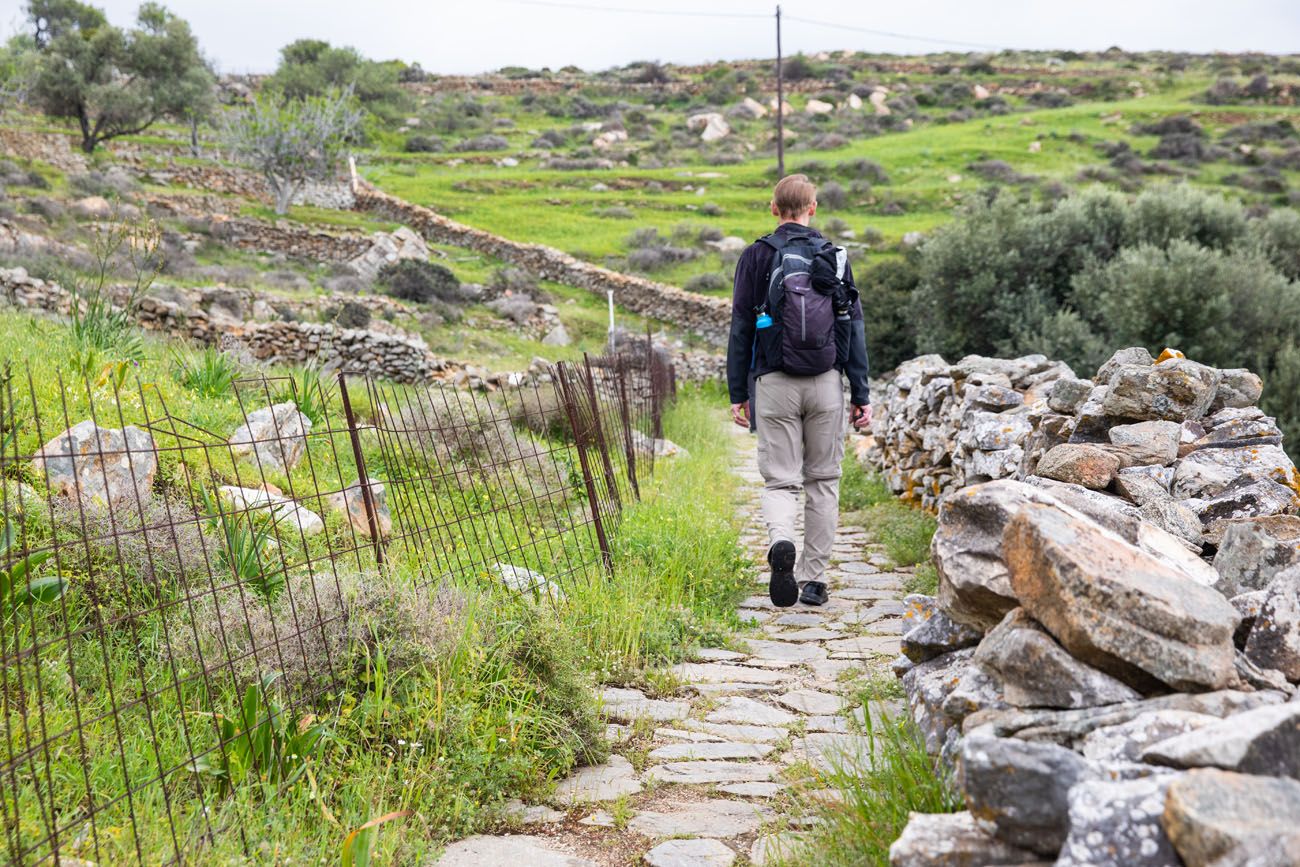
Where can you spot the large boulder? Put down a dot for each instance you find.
(1146, 443)
(1208, 472)
(1239, 388)
(1174, 390)
(108, 466)
(389, 247)
(1251, 552)
(932, 632)
(1020, 788)
(1037, 672)
(275, 435)
(1210, 814)
(352, 502)
(1117, 824)
(1079, 464)
(1116, 607)
(1132, 355)
(1124, 742)
(1274, 639)
(951, 840)
(1265, 740)
(711, 125)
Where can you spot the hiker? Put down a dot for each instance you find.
(796, 329)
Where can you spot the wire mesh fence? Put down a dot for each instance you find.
(160, 566)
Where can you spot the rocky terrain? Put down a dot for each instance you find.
(1112, 658)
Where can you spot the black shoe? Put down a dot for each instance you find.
(813, 593)
(782, 589)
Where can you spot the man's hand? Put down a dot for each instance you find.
(740, 414)
(860, 416)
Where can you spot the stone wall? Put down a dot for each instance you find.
(1112, 659)
(696, 314)
(57, 149)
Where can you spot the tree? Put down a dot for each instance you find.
(115, 82)
(17, 71)
(313, 67)
(292, 141)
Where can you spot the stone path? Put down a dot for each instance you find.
(707, 776)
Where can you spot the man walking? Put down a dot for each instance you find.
(796, 329)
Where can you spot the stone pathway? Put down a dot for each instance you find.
(707, 776)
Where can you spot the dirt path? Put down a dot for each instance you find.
(719, 770)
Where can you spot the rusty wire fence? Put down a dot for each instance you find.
(160, 565)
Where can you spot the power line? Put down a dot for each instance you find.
(586, 7)
(894, 35)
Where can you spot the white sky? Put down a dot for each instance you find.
(464, 36)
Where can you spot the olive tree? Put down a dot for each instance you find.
(115, 82)
(292, 141)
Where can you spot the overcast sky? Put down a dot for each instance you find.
(464, 36)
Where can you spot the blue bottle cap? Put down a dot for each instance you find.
(763, 321)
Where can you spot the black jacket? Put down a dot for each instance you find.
(752, 273)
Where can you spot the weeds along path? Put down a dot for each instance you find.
(727, 760)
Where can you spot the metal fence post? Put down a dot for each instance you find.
(363, 478)
(620, 373)
(568, 397)
(602, 444)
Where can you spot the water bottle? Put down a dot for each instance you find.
(763, 321)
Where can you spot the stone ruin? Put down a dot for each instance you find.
(1111, 664)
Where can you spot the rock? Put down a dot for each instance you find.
(491, 851)
(93, 208)
(830, 751)
(1210, 813)
(1236, 433)
(751, 108)
(1248, 606)
(352, 502)
(715, 818)
(1117, 824)
(1021, 788)
(1274, 639)
(530, 814)
(690, 853)
(951, 840)
(526, 581)
(1146, 443)
(711, 126)
(1248, 497)
(784, 651)
(275, 435)
(1208, 472)
(629, 705)
(928, 686)
(812, 702)
(111, 466)
(606, 782)
(284, 513)
(1126, 741)
(992, 431)
(934, 633)
(1116, 607)
(817, 106)
(707, 772)
(877, 99)
(1079, 464)
(747, 711)
(1068, 394)
(717, 672)
(557, 336)
(1038, 672)
(1173, 390)
(1176, 519)
(1239, 388)
(386, 248)
(1265, 740)
(710, 750)
(1134, 355)
(1252, 552)
(1144, 485)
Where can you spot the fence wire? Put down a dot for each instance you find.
(158, 568)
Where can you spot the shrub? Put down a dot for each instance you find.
(997, 171)
(487, 142)
(423, 144)
(518, 307)
(886, 293)
(616, 212)
(710, 282)
(1050, 99)
(351, 314)
(832, 195)
(420, 281)
(864, 170)
(509, 280)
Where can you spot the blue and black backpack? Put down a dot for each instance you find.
(803, 326)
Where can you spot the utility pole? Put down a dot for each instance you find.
(780, 103)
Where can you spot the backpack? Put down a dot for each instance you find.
(807, 307)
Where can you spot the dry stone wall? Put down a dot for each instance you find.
(1112, 660)
(696, 314)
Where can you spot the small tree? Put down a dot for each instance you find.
(114, 82)
(292, 142)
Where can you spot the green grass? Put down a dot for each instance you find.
(879, 791)
(860, 489)
(904, 530)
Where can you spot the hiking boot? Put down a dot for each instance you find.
(813, 593)
(782, 589)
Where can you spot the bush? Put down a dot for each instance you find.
(110, 184)
(420, 281)
(832, 196)
(508, 280)
(710, 282)
(423, 144)
(484, 143)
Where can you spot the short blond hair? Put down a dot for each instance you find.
(794, 195)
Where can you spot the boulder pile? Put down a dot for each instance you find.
(1112, 660)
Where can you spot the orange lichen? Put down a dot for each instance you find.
(1169, 353)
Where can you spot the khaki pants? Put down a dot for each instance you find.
(801, 423)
